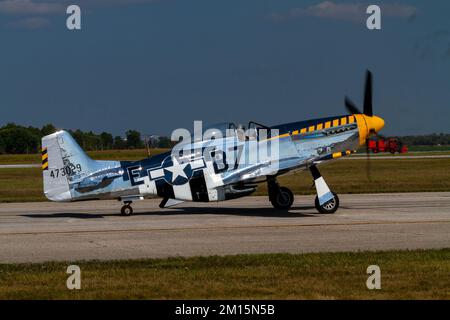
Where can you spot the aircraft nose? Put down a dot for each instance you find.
(375, 123)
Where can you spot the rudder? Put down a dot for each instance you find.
(62, 160)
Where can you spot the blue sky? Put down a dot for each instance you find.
(159, 65)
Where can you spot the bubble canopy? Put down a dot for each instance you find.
(229, 129)
(221, 129)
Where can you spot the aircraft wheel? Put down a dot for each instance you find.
(328, 207)
(283, 199)
(126, 210)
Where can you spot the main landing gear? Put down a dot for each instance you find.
(126, 210)
(282, 198)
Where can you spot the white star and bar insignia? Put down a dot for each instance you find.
(174, 172)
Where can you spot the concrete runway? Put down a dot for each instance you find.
(34, 232)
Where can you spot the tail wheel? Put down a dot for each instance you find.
(283, 199)
(126, 210)
(328, 207)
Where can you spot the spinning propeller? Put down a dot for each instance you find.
(372, 123)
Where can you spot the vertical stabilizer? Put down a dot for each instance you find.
(62, 158)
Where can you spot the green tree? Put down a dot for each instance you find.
(78, 135)
(48, 129)
(92, 141)
(164, 142)
(2, 145)
(134, 139)
(107, 140)
(17, 139)
(119, 143)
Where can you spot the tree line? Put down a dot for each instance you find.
(435, 139)
(17, 139)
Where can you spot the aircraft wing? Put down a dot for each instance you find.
(267, 168)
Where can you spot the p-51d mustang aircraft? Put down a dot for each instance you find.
(213, 169)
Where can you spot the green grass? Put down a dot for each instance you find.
(429, 148)
(139, 154)
(408, 154)
(19, 158)
(124, 155)
(350, 176)
(21, 185)
(344, 176)
(404, 275)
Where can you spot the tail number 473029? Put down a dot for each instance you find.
(68, 170)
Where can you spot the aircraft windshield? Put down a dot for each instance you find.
(225, 129)
(222, 129)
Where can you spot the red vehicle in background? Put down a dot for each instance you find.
(392, 145)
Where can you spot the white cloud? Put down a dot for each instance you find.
(108, 3)
(45, 7)
(399, 10)
(23, 7)
(328, 9)
(346, 11)
(30, 23)
(34, 13)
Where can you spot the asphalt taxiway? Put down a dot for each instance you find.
(36, 232)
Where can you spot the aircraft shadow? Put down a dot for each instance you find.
(247, 212)
(67, 215)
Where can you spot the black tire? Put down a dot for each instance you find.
(283, 199)
(328, 207)
(126, 210)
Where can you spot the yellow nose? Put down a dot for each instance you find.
(367, 125)
(374, 123)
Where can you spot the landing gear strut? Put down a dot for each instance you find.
(326, 200)
(280, 197)
(127, 210)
